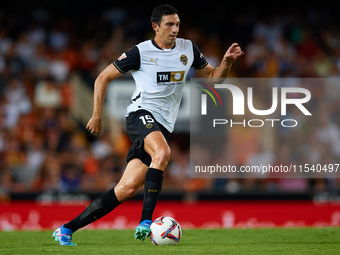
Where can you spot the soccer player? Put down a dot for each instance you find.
(159, 68)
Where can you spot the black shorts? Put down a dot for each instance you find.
(138, 125)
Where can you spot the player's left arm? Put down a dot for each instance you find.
(222, 71)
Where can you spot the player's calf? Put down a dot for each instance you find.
(152, 189)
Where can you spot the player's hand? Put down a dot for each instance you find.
(233, 53)
(94, 125)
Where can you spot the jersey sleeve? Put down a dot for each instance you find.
(199, 60)
(129, 60)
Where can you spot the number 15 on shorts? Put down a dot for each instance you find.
(146, 119)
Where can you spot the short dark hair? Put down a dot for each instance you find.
(161, 10)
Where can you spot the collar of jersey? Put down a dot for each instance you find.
(155, 44)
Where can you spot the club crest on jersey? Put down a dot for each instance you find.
(122, 57)
(184, 59)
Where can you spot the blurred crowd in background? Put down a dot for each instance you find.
(44, 148)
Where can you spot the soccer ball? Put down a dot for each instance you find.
(165, 231)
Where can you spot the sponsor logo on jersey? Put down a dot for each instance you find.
(166, 77)
(122, 57)
(184, 59)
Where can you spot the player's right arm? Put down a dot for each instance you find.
(129, 60)
(100, 86)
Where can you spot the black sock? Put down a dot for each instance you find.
(99, 207)
(152, 189)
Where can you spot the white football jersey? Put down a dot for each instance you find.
(160, 75)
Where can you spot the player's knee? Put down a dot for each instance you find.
(162, 157)
(125, 192)
(130, 192)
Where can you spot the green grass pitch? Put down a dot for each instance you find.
(194, 241)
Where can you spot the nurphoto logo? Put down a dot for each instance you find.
(264, 128)
(238, 106)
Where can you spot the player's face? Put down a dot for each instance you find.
(168, 29)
